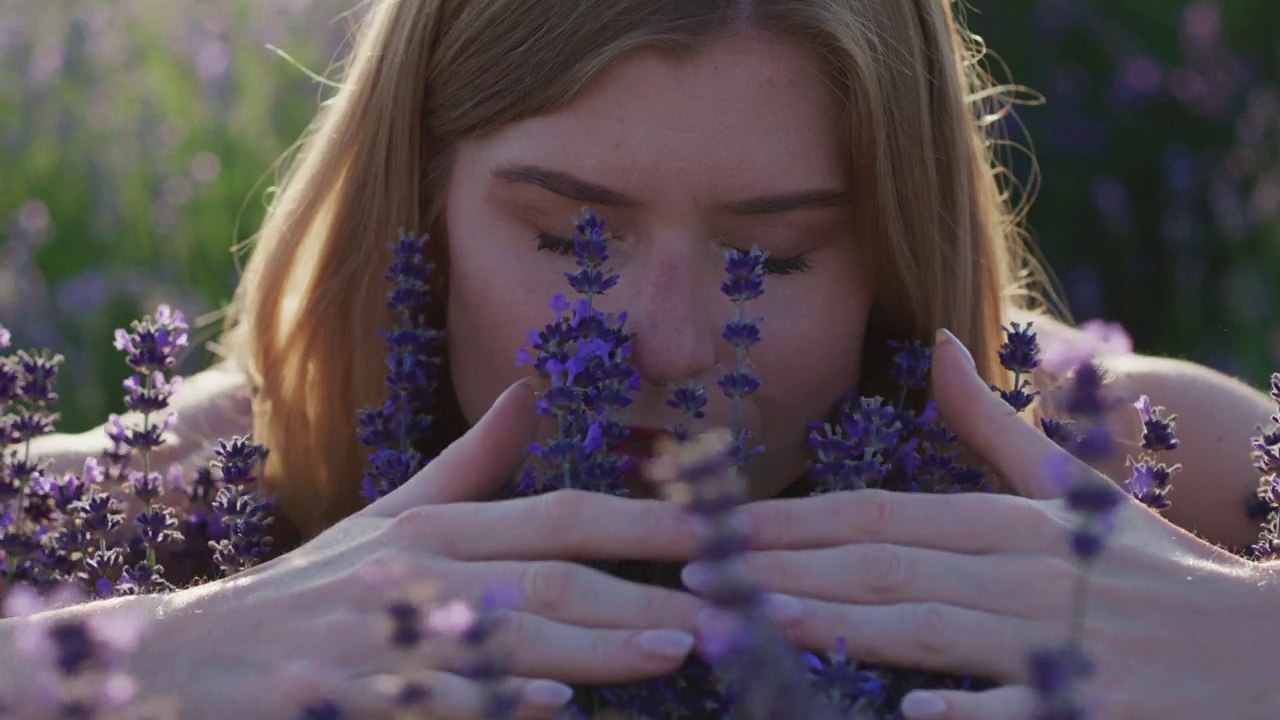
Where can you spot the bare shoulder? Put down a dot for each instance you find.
(211, 404)
(1217, 415)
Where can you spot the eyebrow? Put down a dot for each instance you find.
(574, 188)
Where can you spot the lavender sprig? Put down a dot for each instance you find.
(397, 428)
(27, 381)
(745, 282)
(1057, 671)
(1264, 506)
(583, 354)
(243, 511)
(1149, 480)
(689, 399)
(151, 348)
(1019, 354)
(758, 668)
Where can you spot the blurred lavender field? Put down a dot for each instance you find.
(139, 138)
(1159, 147)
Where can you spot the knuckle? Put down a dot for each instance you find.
(767, 568)
(781, 523)
(603, 650)
(1046, 523)
(868, 513)
(427, 527)
(929, 633)
(562, 507)
(886, 569)
(547, 587)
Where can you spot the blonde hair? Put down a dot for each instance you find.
(425, 73)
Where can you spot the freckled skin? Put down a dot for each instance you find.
(748, 117)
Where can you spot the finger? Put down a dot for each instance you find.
(530, 645)
(449, 696)
(476, 464)
(572, 593)
(973, 523)
(929, 636)
(306, 689)
(565, 524)
(1010, 702)
(1015, 585)
(989, 426)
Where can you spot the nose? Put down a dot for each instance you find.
(671, 300)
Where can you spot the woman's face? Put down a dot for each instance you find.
(738, 147)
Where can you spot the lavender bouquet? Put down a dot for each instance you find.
(123, 526)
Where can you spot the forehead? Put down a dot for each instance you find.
(754, 108)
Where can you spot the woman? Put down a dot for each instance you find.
(840, 137)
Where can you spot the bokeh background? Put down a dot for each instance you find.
(138, 140)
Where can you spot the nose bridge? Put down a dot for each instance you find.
(672, 316)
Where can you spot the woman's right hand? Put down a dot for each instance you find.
(312, 615)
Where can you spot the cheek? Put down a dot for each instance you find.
(810, 357)
(488, 314)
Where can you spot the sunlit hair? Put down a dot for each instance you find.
(934, 205)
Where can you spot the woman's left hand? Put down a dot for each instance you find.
(970, 583)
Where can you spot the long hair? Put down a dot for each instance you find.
(932, 200)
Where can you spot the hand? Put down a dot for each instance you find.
(969, 583)
(315, 604)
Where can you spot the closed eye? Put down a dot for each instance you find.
(772, 266)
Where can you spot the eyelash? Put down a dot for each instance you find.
(772, 266)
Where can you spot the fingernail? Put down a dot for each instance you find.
(696, 576)
(944, 335)
(923, 706)
(667, 643)
(547, 693)
(782, 608)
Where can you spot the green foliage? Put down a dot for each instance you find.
(140, 139)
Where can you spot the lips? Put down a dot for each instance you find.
(639, 441)
(637, 447)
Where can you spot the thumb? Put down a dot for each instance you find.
(477, 463)
(987, 424)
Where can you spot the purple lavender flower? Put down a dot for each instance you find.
(1019, 354)
(1149, 481)
(1055, 673)
(27, 384)
(1266, 500)
(590, 251)
(404, 421)
(245, 514)
(1158, 431)
(153, 344)
(745, 282)
(414, 355)
(689, 399)
(910, 365)
(760, 670)
(583, 355)
(853, 690)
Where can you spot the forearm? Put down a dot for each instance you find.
(1217, 417)
(210, 405)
